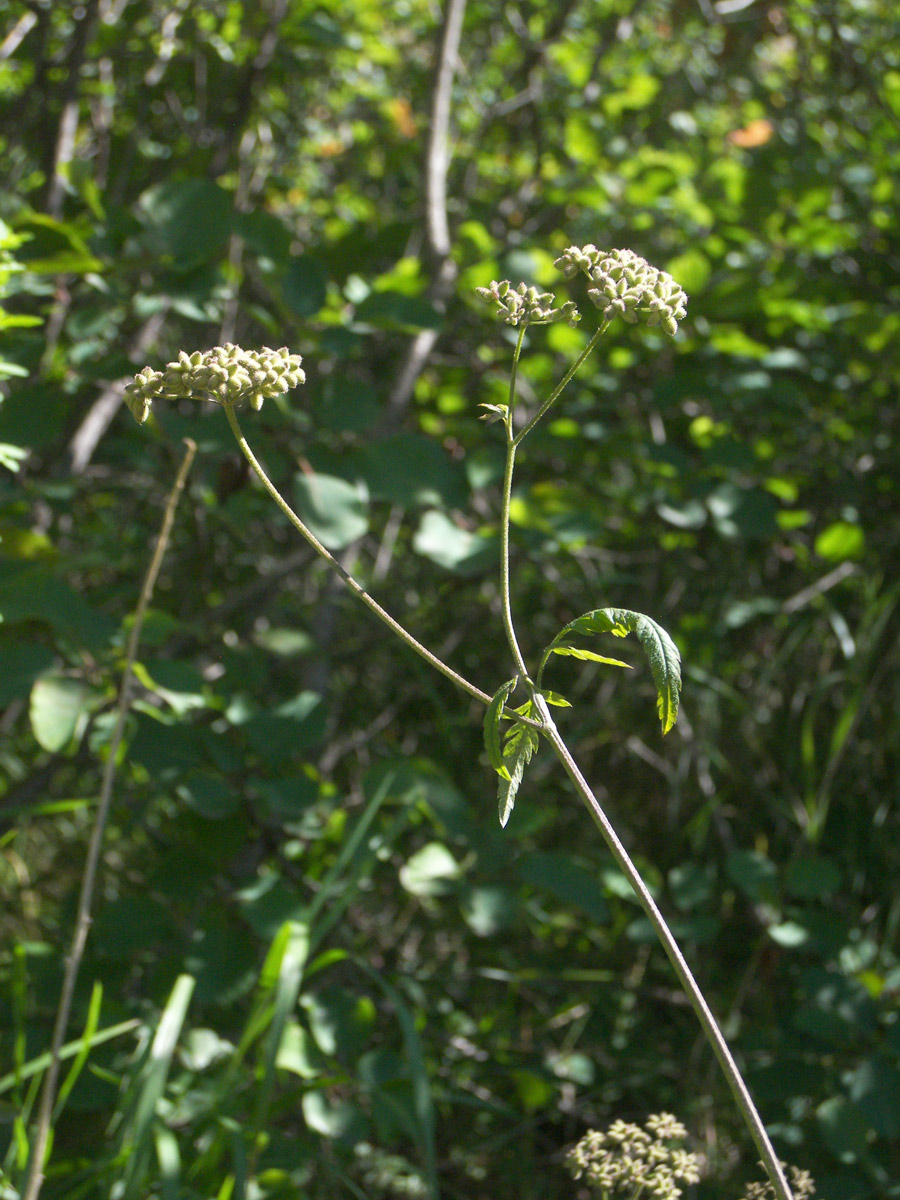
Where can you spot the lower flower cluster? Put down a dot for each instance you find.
(226, 374)
(627, 1160)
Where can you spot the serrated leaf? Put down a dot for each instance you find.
(492, 727)
(588, 656)
(520, 746)
(555, 699)
(665, 660)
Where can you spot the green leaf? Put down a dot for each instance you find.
(431, 871)
(588, 656)
(335, 510)
(439, 539)
(187, 219)
(839, 541)
(304, 285)
(58, 707)
(492, 727)
(393, 310)
(21, 662)
(517, 753)
(409, 469)
(665, 660)
(556, 699)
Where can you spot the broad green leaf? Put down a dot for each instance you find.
(58, 707)
(336, 511)
(409, 469)
(556, 699)
(392, 310)
(492, 728)
(338, 1119)
(569, 882)
(438, 538)
(21, 662)
(839, 541)
(489, 908)
(187, 219)
(517, 753)
(432, 871)
(304, 285)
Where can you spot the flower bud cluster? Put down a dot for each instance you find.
(627, 285)
(226, 374)
(526, 305)
(627, 1160)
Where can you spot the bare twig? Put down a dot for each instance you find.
(437, 227)
(17, 34)
(85, 899)
(68, 117)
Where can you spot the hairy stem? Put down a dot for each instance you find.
(345, 576)
(701, 1009)
(558, 390)
(86, 896)
(505, 501)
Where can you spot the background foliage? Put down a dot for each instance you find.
(452, 1005)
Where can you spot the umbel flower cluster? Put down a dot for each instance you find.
(627, 285)
(628, 1161)
(226, 374)
(525, 305)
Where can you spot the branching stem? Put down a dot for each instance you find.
(346, 577)
(692, 989)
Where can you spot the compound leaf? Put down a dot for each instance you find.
(665, 661)
(521, 744)
(492, 727)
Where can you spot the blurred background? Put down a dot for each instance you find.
(175, 176)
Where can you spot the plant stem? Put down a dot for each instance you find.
(557, 391)
(347, 578)
(698, 1001)
(702, 1010)
(504, 560)
(85, 899)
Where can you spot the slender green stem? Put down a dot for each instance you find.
(508, 626)
(347, 578)
(557, 391)
(517, 354)
(698, 1002)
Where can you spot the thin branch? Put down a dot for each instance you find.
(85, 899)
(437, 226)
(67, 128)
(438, 154)
(17, 34)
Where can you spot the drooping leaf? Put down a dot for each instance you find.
(517, 753)
(665, 660)
(492, 728)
